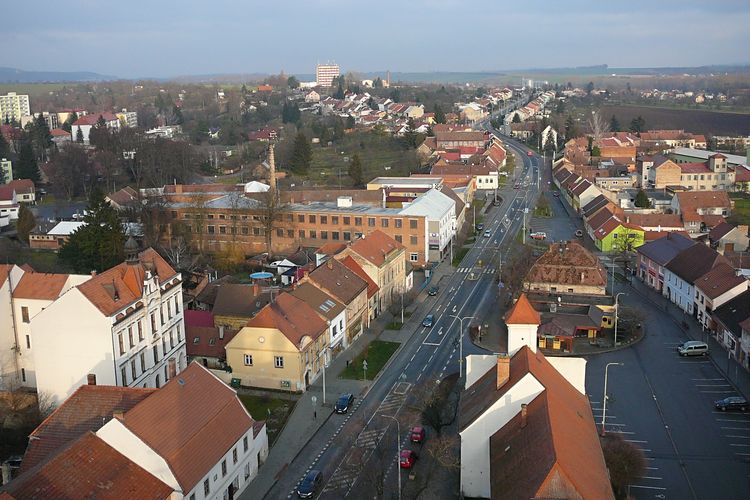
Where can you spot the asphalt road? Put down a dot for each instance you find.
(343, 450)
(662, 403)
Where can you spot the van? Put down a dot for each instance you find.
(693, 348)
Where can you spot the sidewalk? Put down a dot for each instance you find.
(735, 374)
(306, 419)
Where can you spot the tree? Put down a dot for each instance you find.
(4, 147)
(516, 118)
(515, 269)
(339, 94)
(79, 136)
(614, 125)
(638, 124)
(290, 112)
(26, 223)
(99, 135)
(27, 167)
(598, 126)
(350, 122)
(292, 82)
(641, 199)
(41, 136)
(98, 245)
(589, 88)
(301, 157)
(272, 213)
(439, 114)
(624, 460)
(595, 151)
(410, 136)
(355, 170)
(571, 130)
(377, 83)
(550, 145)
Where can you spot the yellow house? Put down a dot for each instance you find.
(281, 347)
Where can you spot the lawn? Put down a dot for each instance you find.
(274, 410)
(394, 325)
(459, 256)
(377, 355)
(741, 210)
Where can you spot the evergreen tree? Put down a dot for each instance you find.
(339, 94)
(571, 130)
(79, 136)
(641, 199)
(355, 171)
(301, 155)
(99, 244)
(41, 134)
(614, 125)
(27, 167)
(26, 223)
(292, 82)
(439, 114)
(377, 83)
(4, 147)
(516, 118)
(638, 124)
(595, 151)
(350, 122)
(99, 134)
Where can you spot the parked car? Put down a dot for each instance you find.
(731, 403)
(433, 291)
(428, 321)
(539, 235)
(343, 403)
(309, 484)
(417, 434)
(517, 186)
(579, 233)
(480, 226)
(408, 457)
(488, 234)
(555, 194)
(693, 348)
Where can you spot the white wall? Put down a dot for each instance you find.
(475, 439)
(573, 369)
(521, 335)
(476, 366)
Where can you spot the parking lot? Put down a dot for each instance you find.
(560, 226)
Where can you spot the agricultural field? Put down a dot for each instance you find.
(32, 89)
(691, 120)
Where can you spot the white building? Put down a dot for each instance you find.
(124, 325)
(325, 73)
(523, 322)
(86, 123)
(14, 106)
(439, 211)
(6, 171)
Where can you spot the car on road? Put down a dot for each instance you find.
(693, 348)
(488, 234)
(517, 186)
(529, 153)
(428, 321)
(417, 434)
(407, 459)
(433, 291)
(579, 233)
(731, 403)
(555, 194)
(480, 226)
(539, 235)
(343, 403)
(309, 484)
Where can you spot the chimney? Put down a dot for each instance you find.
(503, 370)
(172, 368)
(118, 414)
(583, 276)
(329, 263)
(523, 415)
(91, 379)
(93, 273)
(272, 168)
(221, 332)
(178, 188)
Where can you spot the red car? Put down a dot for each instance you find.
(529, 153)
(408, 457)
(416, 435)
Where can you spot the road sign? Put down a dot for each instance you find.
(314, 400)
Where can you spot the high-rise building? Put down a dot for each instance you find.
(14, 106)
(325, 73)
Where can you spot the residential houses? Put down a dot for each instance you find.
(84, 124)
(683, 271)
(53, 235)
(701, 210)
(725, 237)
(653, 257)
(732, 327)
(715, 288)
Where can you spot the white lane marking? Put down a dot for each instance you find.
(646, 487)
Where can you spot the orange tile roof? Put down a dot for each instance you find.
(87, 409)
(522, 313)
(331, 248)
(4, 272)
(40, 286)
(292, 317)
(191, 422)
(376, 247)
(120, 286)
(568, 263)
(89, 468)
(372, 287)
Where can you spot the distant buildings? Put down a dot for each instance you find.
(14, 106)
(6, 171)
(325, 73)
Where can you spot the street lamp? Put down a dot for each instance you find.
(398, 444)
(617, 297)
(604, 410)
(461, 343)
(324, 353)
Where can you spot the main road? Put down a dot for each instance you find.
(344, 452)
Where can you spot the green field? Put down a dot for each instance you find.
(377, 355)
(274, 410)
(31, 89)
(741, 210)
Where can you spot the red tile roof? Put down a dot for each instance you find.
(40, 286)
(372, 287)
(719, 280)
(376, 247)
(568, 263)
(89, 468)
(22, 186)
(292, 317)
(207, 341)
(87, 409)
(93, 118)
(522, 313)
(191, 422)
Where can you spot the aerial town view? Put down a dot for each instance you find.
(310, 250)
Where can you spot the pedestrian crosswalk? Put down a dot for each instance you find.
(481, 270)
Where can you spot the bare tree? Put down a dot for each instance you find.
(272, 210)
(624, 461)
(598, 126)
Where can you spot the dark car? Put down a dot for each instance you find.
(416, 435)
(343, 403)
(307, 487)
(428, 321)
(480, 226)
(555, 194)
(407, 459)
(731, 403)
(433, 291)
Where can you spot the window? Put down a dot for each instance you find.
(192, 496)
(179, 334)
(153, 323)
(280, 233)
(222, 229)
(311, 219)
(133, 371)
(278, 361)
(211, 229)
(25, 314)
(347, 235)
(234, 456)
(28, 342)
(161, 316)
(120, 343)
(397, 222)
(347, 220)
(301, 233)
(171, 340)
(156, 355)
(412, 223)
(248, 360)
(335, 220)
(290, 233)
(130, 336)
(23, 374)
(222, 216)
(124, 375)
(301, 219)
(247, 470)
(196, 340)
(399, 238)
(223, 468)
(140, 327)
(206, 487)
(143, 361)
(324, 235)
(210, 216)
(413, 257)
(256, 231)
(334, 235)
(413, 240)
(313, 234)
(289, 218)
(371, 221)
(244, 444)
(383, 222)
(245, 230)
(164, 345)
(324, 219)
(358, 221)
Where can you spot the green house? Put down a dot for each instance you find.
(617, 236)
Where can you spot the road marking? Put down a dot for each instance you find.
(708, 379)
(712, 385)
(730, 419)
(649, 477)
(646, 487)
(429, 343)
(739, 437)
(716, 392)
(740, 445)
(737, 428)
(634, 440)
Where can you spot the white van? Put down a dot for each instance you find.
(693, 348)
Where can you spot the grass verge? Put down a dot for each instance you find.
(376, 354)
(459, 256)
(274, 410)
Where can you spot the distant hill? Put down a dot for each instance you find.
(14, 75)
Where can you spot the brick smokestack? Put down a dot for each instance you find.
(91, 379)
(272, 168)
(503, 370)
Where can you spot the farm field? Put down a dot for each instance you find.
(696, 121)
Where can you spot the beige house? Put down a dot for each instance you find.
(281, 347)
(666, 174)
(384, 261)
(344, 285)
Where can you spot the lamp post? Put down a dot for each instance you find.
(398, 444)
(461, 343)
(324, 354)
(617, 297)
(604, 409)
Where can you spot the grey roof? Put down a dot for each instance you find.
(239, 300)
(702, 154)
(663, 250)
(594, 205)
(693, 262)
(734, 312)
(323, 303)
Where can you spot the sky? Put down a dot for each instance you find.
(166, 38)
